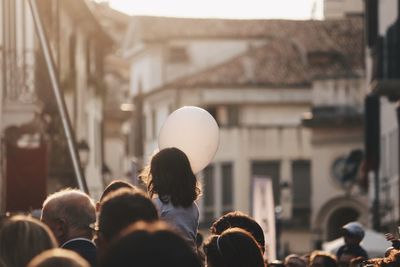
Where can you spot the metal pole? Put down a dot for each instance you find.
(59, 97)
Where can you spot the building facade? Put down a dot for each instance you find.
(337, 9)
(34, 145)
(382, 113)
(336, 121)
(257, 78)
(117, 111)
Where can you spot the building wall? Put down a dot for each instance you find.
(389, 167)
(19, 95)
(84, 106)
(329, 145)
(246, 145)
(332, 142)
(344, 92)
(334, 9)
(115, 156)
(146, 70)
(203, 54)
(297, 241)
(93, 174)
(387, 14)
(266, 131)
(389, 155)
(153, 67)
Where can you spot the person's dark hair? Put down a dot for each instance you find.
(294, 260)
(123, 207)
(114, 186)
(235, 247)
(172, 178)
(150, 245)
(58, 257)
(22, 238)
(240, 220)
(329, 260)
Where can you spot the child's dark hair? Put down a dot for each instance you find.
(172, 178)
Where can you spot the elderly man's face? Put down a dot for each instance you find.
(53, 223)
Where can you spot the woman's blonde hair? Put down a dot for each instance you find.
(22, 238)
(58, 257)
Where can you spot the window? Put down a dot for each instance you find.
(213, 112)
(217, 192)
(208, 194)
(270, 169)
(228, 115)
(301, 191)
(227, 187)
(178, 54)
(233, 115)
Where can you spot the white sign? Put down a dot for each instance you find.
(264, 212)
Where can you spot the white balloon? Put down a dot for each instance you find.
(194, 131)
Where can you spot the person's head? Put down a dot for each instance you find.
(22, 238)
(150, 245)
(356, 262)
(390, 260)
(389, 250)
(112, 187)
(58, 257)
(172, 178)
(322, 259)
(69, 213)
(234, 247)
(353, 233)
(294, 260)
(240, 220)
(276, 263)
(345, 258)
(120, 209)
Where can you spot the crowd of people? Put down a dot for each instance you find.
(130, 227)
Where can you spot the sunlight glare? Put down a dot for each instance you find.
(285, 9)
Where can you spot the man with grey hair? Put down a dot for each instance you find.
(71, 214)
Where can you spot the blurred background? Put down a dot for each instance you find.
(305, 94)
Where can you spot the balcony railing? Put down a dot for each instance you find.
(17, 54)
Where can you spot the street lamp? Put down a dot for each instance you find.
(83, 150)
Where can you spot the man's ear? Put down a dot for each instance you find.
(61, 230)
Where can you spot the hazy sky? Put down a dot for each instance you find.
(288, 9)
